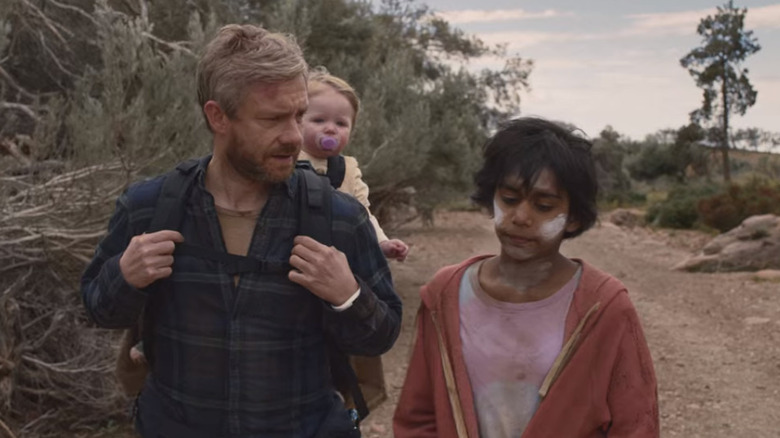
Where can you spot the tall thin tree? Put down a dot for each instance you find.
(717, 67)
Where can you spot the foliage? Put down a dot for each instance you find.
(609, 152)
(725, 211)
(141, 103)
(756, 139)
(652, 161)
(717, 68)
(680, 208)
(769, 166)
(671, 153)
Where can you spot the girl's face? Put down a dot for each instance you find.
(530, 223)
(327, 124)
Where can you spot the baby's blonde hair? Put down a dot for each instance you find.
(320, 79)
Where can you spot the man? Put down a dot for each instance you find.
(245, 355)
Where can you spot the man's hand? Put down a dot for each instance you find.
(323, 270)
(394, 249)
(149, 257)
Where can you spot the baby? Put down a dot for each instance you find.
(327, 125)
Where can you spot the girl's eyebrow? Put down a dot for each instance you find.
(536, 191)
(543, 194)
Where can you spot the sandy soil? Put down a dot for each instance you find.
(714, 337)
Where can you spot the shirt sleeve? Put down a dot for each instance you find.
(108, 299)
(370, 326)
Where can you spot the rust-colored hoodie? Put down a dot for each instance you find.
(602, 383)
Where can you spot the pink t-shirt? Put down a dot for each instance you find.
(509, 349)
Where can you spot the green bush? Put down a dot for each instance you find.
(629, 198)
(680, 208)
(725, 211)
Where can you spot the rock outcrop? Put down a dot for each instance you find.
(752, 246)
(627, 218)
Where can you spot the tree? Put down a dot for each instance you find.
(671, 153)
(717, 67)
(610, 149)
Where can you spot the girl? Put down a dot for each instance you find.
(529, 343)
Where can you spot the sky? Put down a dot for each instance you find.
(615, 62)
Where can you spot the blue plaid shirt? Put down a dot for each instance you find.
(243, 360)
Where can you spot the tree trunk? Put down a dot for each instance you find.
(725, 140)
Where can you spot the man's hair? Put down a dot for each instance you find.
(320, 79)
(242, 55)
(526, 146)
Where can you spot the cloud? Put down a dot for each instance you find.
(641, 25)
(685, 22)
(519, 40)
(767, 17)
(676, 23)
(489, 16)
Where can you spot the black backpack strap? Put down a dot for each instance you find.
(315, 221)
(176, 187)
(168, 214)
(233, 264)
(337, 167)
(345, 379)
(314, 206)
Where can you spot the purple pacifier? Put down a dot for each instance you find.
(328, 143)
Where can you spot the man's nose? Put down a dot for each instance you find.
(292, 133)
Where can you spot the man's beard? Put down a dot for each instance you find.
(252, 170)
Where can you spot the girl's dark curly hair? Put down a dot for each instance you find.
(523, 148)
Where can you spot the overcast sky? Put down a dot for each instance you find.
(615, 62)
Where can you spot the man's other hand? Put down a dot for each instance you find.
(323, 270)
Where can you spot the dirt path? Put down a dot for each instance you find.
(714, 337)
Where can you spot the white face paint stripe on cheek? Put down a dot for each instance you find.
(553, 228)
(498, 214)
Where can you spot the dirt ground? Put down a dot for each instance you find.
(714, 337)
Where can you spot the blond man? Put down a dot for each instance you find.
(243, 354)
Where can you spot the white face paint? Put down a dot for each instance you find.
(553, 228)
(498, 214)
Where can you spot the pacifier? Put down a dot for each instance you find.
(328, 143)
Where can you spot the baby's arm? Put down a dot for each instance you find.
(394, 249)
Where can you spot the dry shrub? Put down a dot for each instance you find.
(725, 211)
(133, 109)
(56, 372)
